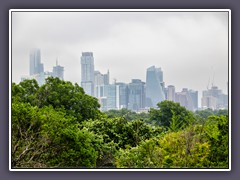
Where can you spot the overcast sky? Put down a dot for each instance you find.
(190, 47)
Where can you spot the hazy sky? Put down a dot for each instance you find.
(190, 47)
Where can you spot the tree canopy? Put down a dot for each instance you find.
(57, 125)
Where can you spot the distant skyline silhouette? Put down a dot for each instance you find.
(191, 48)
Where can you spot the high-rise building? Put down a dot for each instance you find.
(40, 78)
(209, 102)
(214, 99)
(194, 97)
(137, 95)
(58, 71)
(123, 95)
(87, 73)
(185, 99)
(100, 80)
(112, 95)
(106, 78)
(154, 87)
(171, 93)
(36, 67)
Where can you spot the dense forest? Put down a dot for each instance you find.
(57, 125)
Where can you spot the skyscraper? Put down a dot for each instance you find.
(36, 67)
(137, 95)
(154, 86)
(100, 80)
(58, 71)
(171, 93)
(214, 99)
(106, 78)
(123, 95)
(194, 96)
(185, 99)
(87, 73)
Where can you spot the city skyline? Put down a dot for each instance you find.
(190, 47)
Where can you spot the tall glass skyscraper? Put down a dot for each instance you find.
(58, 71)
(123, 95)
(36, 67)
(87, 73)
(154, 86)
(136, 95)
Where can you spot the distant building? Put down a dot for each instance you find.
(37, 71)
(112, 95)
(100, 80)
(171, 93)
(36, 67)
(154, 87)
(194, 98)
(209, 102)
(58, 71)
(106, 78)
(103, 102)
(123, 95)
(185, 99)
(137, 95)
(40, 78)
(87, 73)
(214, 99)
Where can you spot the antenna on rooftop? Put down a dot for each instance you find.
(208, 83)
(213, 79)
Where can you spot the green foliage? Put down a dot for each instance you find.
(171, 115)
(49, 138)
(209, 112)
(127, 114)
(120, 133)
(58, 94)
(63, 94)
(174, 150)
(216, 130)
(58, 125)
(25, 91)
(143, 156)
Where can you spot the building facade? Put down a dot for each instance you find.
(58, 71)
(154, 87)
(87, 73)
(36, 67)
(171, 93)
(214, 99)
(137, 95)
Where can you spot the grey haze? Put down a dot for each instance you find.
(190, 47)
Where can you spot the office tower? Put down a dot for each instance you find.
(112, 95)
(223, 101)
(106, 78)
(214, 99)
(36, 67)
(171, 93)
(98, 84)
(154, 86)
(137, 95)
(103, 102)
(194, 96)
(184, 99)
(100, 80)
(123, 95)
(87, 73)
(58, 71)
(40, 78)
(209, 102)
